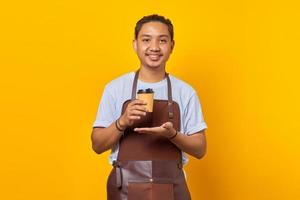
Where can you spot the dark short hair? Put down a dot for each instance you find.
(153, 18)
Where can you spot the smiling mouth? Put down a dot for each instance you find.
(154, 56)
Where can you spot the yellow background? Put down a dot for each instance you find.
(242, 57)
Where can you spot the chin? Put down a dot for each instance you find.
(153, 66)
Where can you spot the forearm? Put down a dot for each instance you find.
(105, 138)
(194, 145)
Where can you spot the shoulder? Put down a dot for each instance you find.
(119, 82)
(182, 87)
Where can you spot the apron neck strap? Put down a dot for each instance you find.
(170, 100)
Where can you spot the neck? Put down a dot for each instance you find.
(151, 75)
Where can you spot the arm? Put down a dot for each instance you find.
(194, 145)
(105, 138)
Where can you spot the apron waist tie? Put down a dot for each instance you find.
(119, 175)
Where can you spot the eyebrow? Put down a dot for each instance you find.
(147, 35)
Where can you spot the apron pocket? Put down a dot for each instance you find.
(150, 191)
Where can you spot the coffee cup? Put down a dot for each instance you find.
(147, 96)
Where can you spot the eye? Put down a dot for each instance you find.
(163, 41)
(145, 39)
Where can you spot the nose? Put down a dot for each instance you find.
(154, 46)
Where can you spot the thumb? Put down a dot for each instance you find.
(167, 125)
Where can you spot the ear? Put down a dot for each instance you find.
(134, 45)
(172, 45)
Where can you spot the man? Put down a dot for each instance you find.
(148, 149)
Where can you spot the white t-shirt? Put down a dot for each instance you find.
(119, 90)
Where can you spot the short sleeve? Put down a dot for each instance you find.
(106, 110)
(193, 117)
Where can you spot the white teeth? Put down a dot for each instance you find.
(154, 56)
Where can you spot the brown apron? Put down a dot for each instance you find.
(149, 167)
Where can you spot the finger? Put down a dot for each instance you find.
(150, 129)
(167, 125)
(139, 107)
(137, 113)
(133, 117)
(138, 102)
(138, 129)
(142, 129)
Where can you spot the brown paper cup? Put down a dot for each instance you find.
(148, 98)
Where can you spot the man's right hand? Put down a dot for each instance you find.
(134, 110)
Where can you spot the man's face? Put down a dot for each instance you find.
(153, 45)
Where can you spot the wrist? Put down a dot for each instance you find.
(121, 123)
(174, 134)
(118, 126)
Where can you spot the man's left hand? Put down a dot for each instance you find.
(165, 130)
